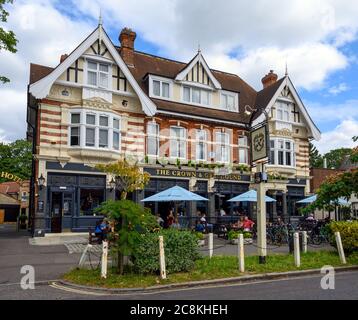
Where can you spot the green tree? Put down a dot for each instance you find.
(16, 158)
(131, 220)
(128, 178)
(336, 157)
(316, 160)
(8, 39)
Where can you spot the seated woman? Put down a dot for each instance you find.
(247, 224)
(176, 224)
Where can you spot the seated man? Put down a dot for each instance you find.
(102, 229)
(199, 227)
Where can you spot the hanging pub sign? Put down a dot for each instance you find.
(259, 143)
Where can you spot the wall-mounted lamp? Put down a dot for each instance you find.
(41, 181)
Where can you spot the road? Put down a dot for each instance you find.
(51, 262)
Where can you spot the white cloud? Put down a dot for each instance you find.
(235, 36)
(340, 137)
(335, 90)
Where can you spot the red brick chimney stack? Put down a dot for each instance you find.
(269, 79)
(127, 38)
(63, 58)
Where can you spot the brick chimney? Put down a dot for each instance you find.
(269, 79)
(127, 38)
(63, 58)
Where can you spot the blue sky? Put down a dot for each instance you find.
(318, 40)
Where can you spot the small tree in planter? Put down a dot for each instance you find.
(129, 178)
(248, 237)
(234, 236)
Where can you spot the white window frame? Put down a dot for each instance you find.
(98, 62)
(276, 150)
(221, 146)
(154, 136)
(161, 80)
(191, 88)
(75, 125)
(231, 94)
(286, 108)
(174, 139)
(244, 147)
(83, 126)
(201, 141)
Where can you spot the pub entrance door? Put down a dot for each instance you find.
(61, 210)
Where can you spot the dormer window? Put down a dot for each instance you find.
(196, 95)
(229, 101)
(160, 87)
(98, 74)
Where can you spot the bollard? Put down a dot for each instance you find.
(340, 247)
(84, 255)
(304, 241)
(104, 259)
(163, 273)
(241, 253)
(296, 245)
(211, 245)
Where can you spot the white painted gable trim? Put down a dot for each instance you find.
(41, 88)
(314, 131)
(199, 58)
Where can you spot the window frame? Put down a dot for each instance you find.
(244, 147)
(178, 141)
(201, 141)
(220, 145)
(98, 74)
(83, 126)
(276, 150)
(162, 81)
(191, 90)
(154, 136)
(234, 95)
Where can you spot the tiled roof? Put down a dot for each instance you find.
(145, 64)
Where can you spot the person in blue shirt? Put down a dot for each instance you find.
(199, 227)
(102, 229)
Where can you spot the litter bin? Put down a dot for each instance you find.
(291, 240)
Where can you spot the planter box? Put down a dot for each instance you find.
(246, 241)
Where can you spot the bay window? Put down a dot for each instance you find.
(282, 152)
(178, 142)
(201, 146)
(75, 133)
(152, 139)
(243, 150)
(98, 74)
(91, 129)
(222, 147)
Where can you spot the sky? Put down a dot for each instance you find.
(318, 40)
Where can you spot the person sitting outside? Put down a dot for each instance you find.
(222, 212)
(239, 224)
(102, 229)
(176, 224)
(170, 219)
(247, 224)
(199, 227)
(160, 220)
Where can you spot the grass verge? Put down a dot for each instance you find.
(218, 267)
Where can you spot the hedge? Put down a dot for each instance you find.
(181, 251)
(349, 234)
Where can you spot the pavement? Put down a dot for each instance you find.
(52, 261)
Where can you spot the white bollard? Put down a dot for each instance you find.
(241, 253)
(84, 255)
(104, 260)
(163, 272)
(304, 241)
(340, 247)
(296, 245)
(211, 245)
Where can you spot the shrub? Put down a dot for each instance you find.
(181, 251)
(232, 235)
(247, 235)
(199, 235)
(349, 234)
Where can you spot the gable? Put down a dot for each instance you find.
(198, 71)
(284, 91)
(99, 46)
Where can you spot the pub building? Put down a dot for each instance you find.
(185, 123)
